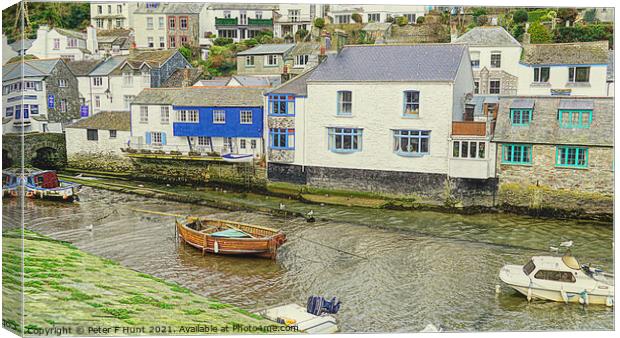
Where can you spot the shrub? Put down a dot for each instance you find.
(319, 23)
(536, 15)
(389, 18)
(402, 21)
(161, 152)
(420, 20)
(589, 16)
(539, 33)
(145, 151)
(518, 31)
(301, 34)
(567, 14)
(193, 153)
(175, 152)
(186, 52)
(356, 17)
(213, 154)
(482, 20)
(520, 16)
(222, 41)
(265, 39)
(250, 42)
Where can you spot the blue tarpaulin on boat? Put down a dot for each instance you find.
(230, 233)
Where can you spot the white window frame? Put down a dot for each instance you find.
(127, 79)
(245, 117)
(301, 60)
(144, 114)
(271, 60)
(156, 138)
(97, 81)
(165, 115)
(219, 116)
(149, 23)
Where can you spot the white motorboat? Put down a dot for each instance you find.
(560, 279)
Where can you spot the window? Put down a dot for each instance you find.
(162, 42)
(99, 23)
(253, 144)
(293, 15)
(150, 42)
(171, 23)
(109, 9)
(56, 43)
(494, 86)
(112, 133)
(116, 48)
(146, 77)
(34, 109)
(345, 103)
(119, 9)
(165, 115)
(259, 14)
(97, 101)
(71, 42)
(578, 74)
(575, 118)
(18, 112)
(187, 116)
(183, 22)
(410, 18)
(571, 157)
(127, 100)
(62, 83)
(26, 111)
(127, 78)
(99, 9)
(183, 39)
(219, 116)
(469, 149)
(411, 105)
(517, 153)
(529, 267)
(374, 17)
(520, 117)
(227, 33)
(271, 60)
(149, 23)
(557, 276)
(242, 143)
(476, 86)
(157, 138)
(249, 61)
(98, 81)
(144, 114)
(345, 140)
(475, 59)
(227, 15)
(411, 142)
(172, 43)
(281, 105)
(343, 18)
(160, 22)
(9, 111)
(282, 138)
(301, 60)
(63, 106)
(243, 18)
(246, 117)
(204, 141)
(496, 59)
(541, 74)
(92, 134)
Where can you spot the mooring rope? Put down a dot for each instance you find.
(331, 247)
(156, 212)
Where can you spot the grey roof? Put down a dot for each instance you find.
(423, 62)
(31, 68)
(610, 67)
(82, 67)
(21, 44)
(108, 66)
(280, 48)
(573, 53)
(171, 8)
(491, 36)
(305, 48)
(296, 86)
(576, 104)
(253, 81)
(105, 120)
(244, 6)
(216, 81)
(522, 104)
(478, 100)
(203, 96)
(544, 127)
(71, 33)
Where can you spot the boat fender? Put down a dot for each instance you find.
(583, 298)
(29, 194)
(609, 301)
(529, 294)
(216, 247)
(564, 296)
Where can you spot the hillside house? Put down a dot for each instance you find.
(263, 59)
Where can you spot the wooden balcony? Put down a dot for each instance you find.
(469, 128)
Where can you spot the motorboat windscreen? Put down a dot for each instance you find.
(571, 262)
(529, 267)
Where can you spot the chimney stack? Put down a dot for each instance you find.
(454, 34)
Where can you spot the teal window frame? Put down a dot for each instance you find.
(568, 124)
(517, 153)
(563, 156)
(520, 116)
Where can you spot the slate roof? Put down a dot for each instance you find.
(492, 36)
(154, 58)
(478, 101)
(610, 67)
(171, 8)
(32, 68)
(115, 37)
(296, 86)
(203, 96)
(574, 53)
(71, 33)
(253, 81)
(544, 127)
(105, 120)
(244, 6)
(423, 62)
(21, 44)
(305, 48)
(216, 81)
(108, 66)
(180, 75)
(83, 67)
(280, 48)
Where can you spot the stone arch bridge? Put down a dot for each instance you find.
(41, 150)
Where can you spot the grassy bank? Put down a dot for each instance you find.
(66, 287)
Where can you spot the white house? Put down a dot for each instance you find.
(237, 21)
(64, 43)
(289, 18)
(375, 118)
(81, 70)
(104, 133)
(169, 24)
(374, 13)
(112, 15)
(575, 69)
(494, 55)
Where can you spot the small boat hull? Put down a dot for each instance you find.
(556, 296)
(265, 242)
(238, 158)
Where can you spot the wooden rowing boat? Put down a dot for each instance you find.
(229, 238)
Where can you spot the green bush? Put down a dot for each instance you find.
(402, 21)
(250, 42)
(356, 17)
(539, 33)
(389, 18)
(568, 14)
(301, 34)
(222, 41)
(589, 16)
(319, 23)
(520, 16)
(536, 15)
(585, 33)
(518, 31)
(420, 20)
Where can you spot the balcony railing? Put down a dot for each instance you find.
(226, 21)
(260, 22)
(469, 128)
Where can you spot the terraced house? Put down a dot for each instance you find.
(265, 59)
(207, 120)
(560, 143)
(169, 25)
(238, 21)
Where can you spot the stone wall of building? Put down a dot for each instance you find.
(291, 173)
(70, 93)
(280, 155)
(508, 83)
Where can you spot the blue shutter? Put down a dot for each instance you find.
(148, 137)
(163, 139)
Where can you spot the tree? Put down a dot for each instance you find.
(567, 14)
(186, 52)
(520, 16)
(301, 34)
(419, 20)
(319, 23)
(589, 16)
(356, 17)
(539, 33)
(402, 21)
(389, 18)
(518, 31)
(222, 41)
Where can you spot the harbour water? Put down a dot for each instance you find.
(394, 271)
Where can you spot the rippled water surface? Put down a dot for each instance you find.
(395, 271)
